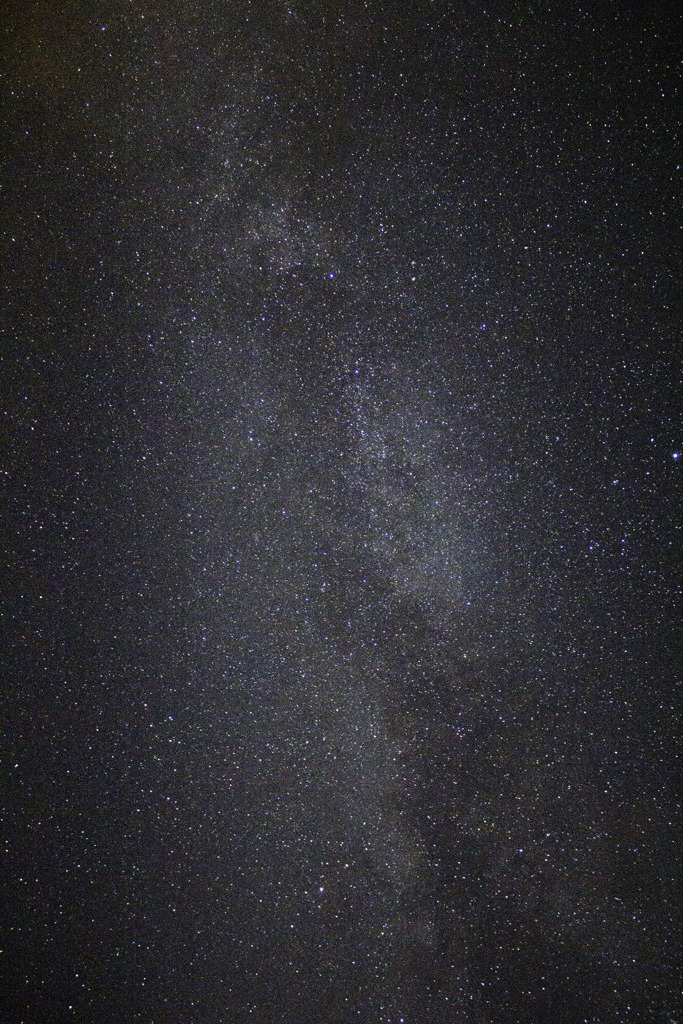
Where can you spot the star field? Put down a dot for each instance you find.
(342, 486)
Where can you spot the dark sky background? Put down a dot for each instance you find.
(341, 462)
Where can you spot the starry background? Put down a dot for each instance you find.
(340, 464)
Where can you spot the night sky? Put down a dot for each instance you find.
(341, 356)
